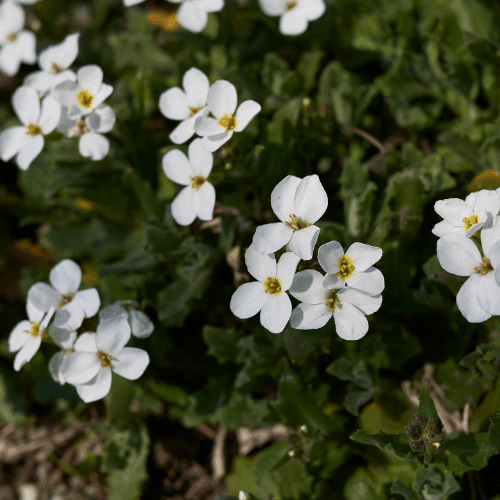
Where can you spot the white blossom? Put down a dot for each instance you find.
(354, 268)
(294, 14)
(185, 104)
(85, 94)
(479, 297)
(221, 102)
(267, 294)
(65, 339)
(26, 337)
(140, 325)
(346, 305)
(197, 199)
(89, 129)
(89, 367)
(54, 63)
(26, 142)
(466, 217)
(16, 45)
(193, 14)
(71, 305)
(298, 203)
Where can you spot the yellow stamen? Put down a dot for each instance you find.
(68, 351)
(197, 181)
(346, 267)
(272, 286)
(470, 221)
(228, 121)
(85, 99)
(332, 301)
(33, 129)
(82, 127)
(296, 223)
(66, 299)
(484, 268)
(34, 329)
(104, 359)
(55, 69)
(12, 37)
(193, 111)
(291, 5)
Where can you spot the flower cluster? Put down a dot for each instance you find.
(56, 97)
(84, 360)
(477, 217)
(349, 290)
(192, 106)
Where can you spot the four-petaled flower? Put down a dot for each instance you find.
(186, 105)
(65, 339)
(71, 305)
(267, 294)
(26, 142)
(298, 203)
(197, 199)
(89, 367)
(140, 325)
(221, 102)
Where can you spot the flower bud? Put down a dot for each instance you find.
(434, 425)
(438, 438)
(433, 448)
(417, 445)
(413, 432)
(419, 421)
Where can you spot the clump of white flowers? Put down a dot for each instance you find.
(86, 360)
(477, 217)
(350, 290)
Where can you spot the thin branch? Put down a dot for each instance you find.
(365, 135)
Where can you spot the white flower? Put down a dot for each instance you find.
(268, 294)
(197, 199)
(92, 143)
(466, 217)
(294, 14)
(54, 62)
(129, 3)
(84, 95)
(89, 367)
(140, 325)
(347, 305)
(354, 268)
(479, 297)
(26, 337)
(16, 45)
(298, 203)
(242, 496)
(185, 105)
(65, 339)
(26, 142)
(71, 305)
(221, 102)
(193, 14)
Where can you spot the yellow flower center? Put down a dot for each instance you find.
(296, 223)
(66, 299)
(55, 69)
(34, 329)
(193, 111)
(104, 359)
(82, 127)
(33, 129)
(291, 5)
(228, 121)
(85, 98)
(197, 181)
(332, 300)
(346, 267)
(12, 36)
(470, 221)
(484, 268)
(45, 334)
(68, 351)
(272, 286)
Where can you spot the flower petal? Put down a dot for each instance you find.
(184, 131)
(185, 206)
(490, 234)
(65, 339)
(363, 255)
(310, 316)
(273, 7)
(271, 237)
(26, 104)
(93, 146)
(26, 41)
(453, 210)
(214, 142)
(283, 197)
(458, 255)
(286, 268)
(102, 94)
(111, 336)
(12, 140)
(276, 312)
(206, 201)
(69, 316)
(467, 302)
(211, 5)
(486, 203)
(18, 336)
(86, 342)
(369, 281)
(292, 23)
(332, 281)
(10, 59)
(102, 119)
(308, 287)
(443, 228)
(206, 126)
(97, 388)
(303, 241)
(43, 296)
(50, 115)
(200, 159)
(31, 149)
(222, 98)
(191, 17)
(245, 112)
(90, 78)
(88, 300)
(350, 322)
(55, 367)
(329, 255)
(62, 54)
(131, 362)
(140, 325)
(248, 300)
(66, 277)
(311, 200)
(367, 304)
(494, 255)
(177, 167)
(196, 86)
(27, 352)
(488, 294)
(174, 104)
(314, 9)
(260, 266)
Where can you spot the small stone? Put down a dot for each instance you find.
(435, 425)
(413, 432)
(419, 421)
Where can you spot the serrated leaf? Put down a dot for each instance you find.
(395, 444)
(400, 489)
(426, 406)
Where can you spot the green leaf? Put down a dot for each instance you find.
(464, 147)
(400, 489)
(485, 360)
(426, 406)
(434, 483)
(221, 342)
(8, 413)
(395, 444)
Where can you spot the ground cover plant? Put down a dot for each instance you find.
(250, 249)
